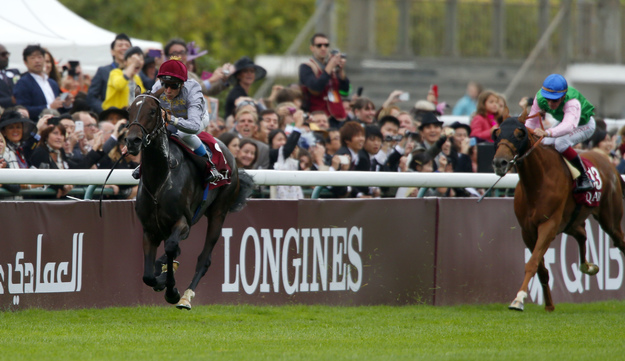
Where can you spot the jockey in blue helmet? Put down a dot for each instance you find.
(574, 117)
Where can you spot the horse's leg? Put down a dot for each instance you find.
(215, 223)
(149, 254)
(545, 234)
(579, 233)
(609, 219)
(172, 250)
(543, 276)
(160, 269)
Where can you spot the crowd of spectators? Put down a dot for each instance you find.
(56, 117)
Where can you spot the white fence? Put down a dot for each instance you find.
(274, 177)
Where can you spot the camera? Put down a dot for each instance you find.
(226, 72)
(71, 68)
(337, 51)
(393, 138)
(54, 121)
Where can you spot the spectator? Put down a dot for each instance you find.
(51, 155)
(364, 111)
(468, 103)
(283, 156)
(431, 130)
(248, 152)
(114, 115)
(216, 127)
(218, 80)
(461, 144)
(120, 89)
(333, 144)
(320, 119)
(86, 136)
(148, 72)
(246, 125)
(232, 141)
(8, 78)
(74, 81)
(97, 90)
(407, 125)
(50, 67)
(504, 111)
(35, 90)
(245, 74)
(485, 119)
(128, 162)
(349, 157)
(13, 126)
(323, 79)
(601, 142)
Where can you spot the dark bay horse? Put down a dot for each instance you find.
(170, 191)
(543, 201)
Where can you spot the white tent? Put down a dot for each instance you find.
(53, 26)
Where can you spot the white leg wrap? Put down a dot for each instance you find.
(519, 296)
(189, 294)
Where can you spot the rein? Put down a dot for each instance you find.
(147, 137)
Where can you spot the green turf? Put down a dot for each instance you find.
(487, 332)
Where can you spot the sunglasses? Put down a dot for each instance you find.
(322, 45)
(172, 85)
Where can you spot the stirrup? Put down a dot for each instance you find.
(583, 184)
(214, 176)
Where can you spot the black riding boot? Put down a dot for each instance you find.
(583, 183)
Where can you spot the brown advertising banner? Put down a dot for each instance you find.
(58, 255)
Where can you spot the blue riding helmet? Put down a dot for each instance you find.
(554, 87)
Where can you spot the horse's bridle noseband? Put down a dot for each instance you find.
(147, 137)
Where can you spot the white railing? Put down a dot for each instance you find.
(274, 177)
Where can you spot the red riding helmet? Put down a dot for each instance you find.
(172, 71)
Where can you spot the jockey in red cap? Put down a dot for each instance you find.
(575, 122)
(184, 101)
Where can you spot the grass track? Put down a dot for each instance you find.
(486, 332)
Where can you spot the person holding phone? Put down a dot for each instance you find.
(120, 89)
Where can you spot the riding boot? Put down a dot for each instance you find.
(136, 174)
(583, 183)
(213, 175)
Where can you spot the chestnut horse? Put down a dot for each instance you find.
(170, 192)
(544, 204)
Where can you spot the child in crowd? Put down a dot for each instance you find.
(485, 119)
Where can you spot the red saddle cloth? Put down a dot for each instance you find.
(592, 197)
(218, 158)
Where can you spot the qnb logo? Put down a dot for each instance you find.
(300, 260)
(598, 251)
(25, 277)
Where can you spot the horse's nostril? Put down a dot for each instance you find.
(136, 141)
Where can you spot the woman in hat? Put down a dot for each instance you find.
(13, 126)
(574, 121)
(120, 89)
(245, 74)
(186, 106)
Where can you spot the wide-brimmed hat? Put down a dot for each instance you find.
(247, 63)
(193, 52)
(429, 118)
(12, 117)
(457, 125)
(114, 110)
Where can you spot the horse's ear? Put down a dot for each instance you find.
(137, 91)
(523, 115)
(159, 92)
(495, 134)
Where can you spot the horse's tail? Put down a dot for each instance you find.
(246, 186)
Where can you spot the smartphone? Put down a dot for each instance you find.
(64, 96)
(404, 97)
(80, 126)
(359, 92)
(54, 121)
(344, 159)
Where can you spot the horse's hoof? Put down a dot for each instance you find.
(158, 288)
(549, 308)
(516, 305)
(150, 281)
(184, 304)
(185, 301)
(589, 268)
(173, 297)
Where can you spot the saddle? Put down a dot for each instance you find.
(592, 197)
(202, 164)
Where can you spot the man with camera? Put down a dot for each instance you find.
(323, 78)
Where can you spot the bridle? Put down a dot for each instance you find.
(534, 143)
(147, 137)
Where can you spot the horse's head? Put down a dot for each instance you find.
(511, 142)
(146, 120)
